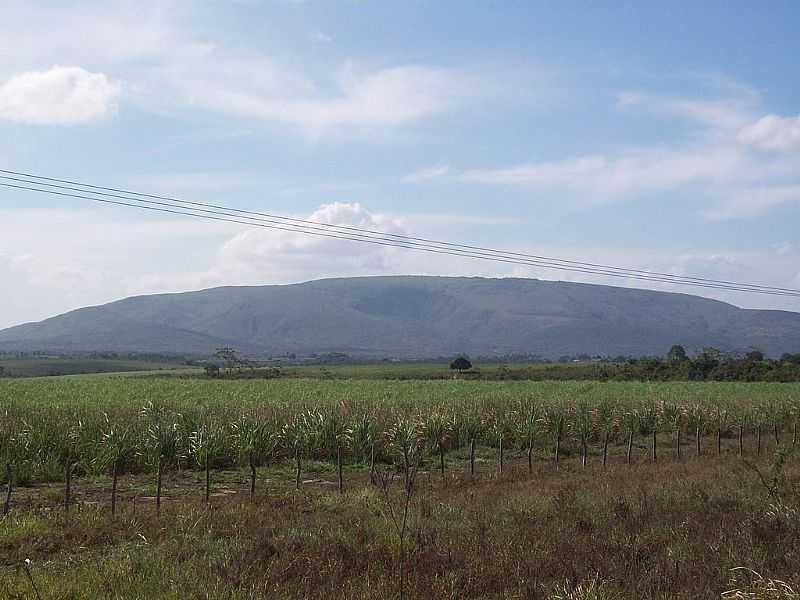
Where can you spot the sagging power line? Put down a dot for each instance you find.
(217, 212)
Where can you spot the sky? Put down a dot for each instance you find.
(659, 135)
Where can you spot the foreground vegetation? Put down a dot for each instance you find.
(321, 488)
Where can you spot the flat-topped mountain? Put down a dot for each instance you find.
(413, 317)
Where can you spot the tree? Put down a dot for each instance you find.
(231, 358)
(754, 356)
(793, 359)
(461, 364)
(212, 371)
(677, 354)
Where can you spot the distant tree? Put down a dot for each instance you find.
(754, 356)
(230, 357)
(793, 359)
(212, 370)
(711, 353)
(461, 364)
(705, 362)
(2, 370)
(677, 354)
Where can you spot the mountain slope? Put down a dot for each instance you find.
(413, 317)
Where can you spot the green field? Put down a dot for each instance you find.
(131, 391)
(518, 489)
(49, 367)
(411, 370)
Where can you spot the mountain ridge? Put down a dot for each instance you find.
(412, 317)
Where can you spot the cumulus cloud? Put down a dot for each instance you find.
(58, 96)
(773, 133)
(282, 256)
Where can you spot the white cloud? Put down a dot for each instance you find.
(751, 202)
(167, 65)
(718, 163)
(724, 113)
(322, 37)
(279, 256)
(427, 174)
(60, 96)
(600, 178)
(773, 133)
(352, 101)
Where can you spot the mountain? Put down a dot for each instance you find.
(413, 317)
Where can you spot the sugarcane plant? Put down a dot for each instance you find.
(117, 447)
(14, 452)
(631, 418)
(672, 418)
(161, 444)
(583, 428)
(721, 421)
(759, 419)
(777, 415)
(256, 442)
(604, 416)
(332, 434)
(405, 439)
(697, 419)
(499, 433)
(363, 440)
(67, 448)
(529, 425)
(650, 423)
(205, 445)
(296, 438)
(471, 428)
(438, 434)
(554, 419)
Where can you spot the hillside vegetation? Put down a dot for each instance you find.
(414, 317)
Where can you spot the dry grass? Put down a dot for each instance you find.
(750, 585)
(673, 530)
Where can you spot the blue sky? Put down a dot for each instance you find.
(661, 136)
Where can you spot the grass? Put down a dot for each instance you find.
(674, 530)
(411, 370)
(696, 527)
(107, 392)
(48, 367)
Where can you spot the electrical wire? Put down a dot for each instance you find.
(306, 227)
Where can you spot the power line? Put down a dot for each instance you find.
(394, 243)
(305, 229)
(406, 238)
(175, 206)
